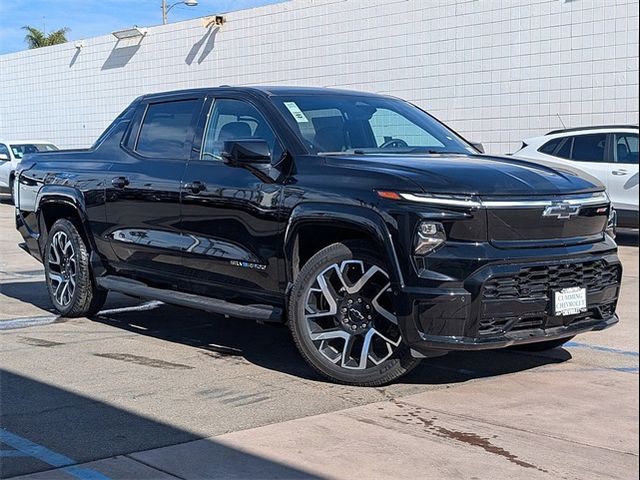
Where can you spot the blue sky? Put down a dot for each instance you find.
(89, 18)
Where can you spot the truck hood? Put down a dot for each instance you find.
(481, 175)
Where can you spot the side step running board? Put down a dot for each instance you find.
(134, 288)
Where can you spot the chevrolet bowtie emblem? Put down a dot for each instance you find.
(562, 211)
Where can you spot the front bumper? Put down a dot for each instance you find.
(508, 302)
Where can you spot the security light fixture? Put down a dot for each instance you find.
(130, 33)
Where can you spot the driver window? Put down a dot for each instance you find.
(234, 120)
(388, 125)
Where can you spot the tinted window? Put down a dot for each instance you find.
(4, 150)
(550, 146)
(331, 123)
(234, 120)
(626, 150)
(388, 125)
(589, 148)
(565, 148)
(166, 130)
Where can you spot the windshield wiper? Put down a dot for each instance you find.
(346, 152)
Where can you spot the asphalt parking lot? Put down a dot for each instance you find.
(146, 390)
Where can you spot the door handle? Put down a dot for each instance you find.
(620, 173)
(195, 187)
(120, 182)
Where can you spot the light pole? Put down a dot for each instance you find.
(165, 8)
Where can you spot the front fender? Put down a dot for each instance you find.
(355, 217)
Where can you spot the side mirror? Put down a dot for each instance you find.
(253, 151)
(478, 146)
(4, 157)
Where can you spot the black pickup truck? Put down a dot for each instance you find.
(378, 234)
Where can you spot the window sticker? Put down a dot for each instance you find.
(296, 112)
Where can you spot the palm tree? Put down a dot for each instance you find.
(36, 38)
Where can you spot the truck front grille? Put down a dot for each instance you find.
(531, 284)
(499, 325)
(538, 281)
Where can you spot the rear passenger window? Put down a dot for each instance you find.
(589, 148)
(550, 146)
(166, 130)
(565, 149)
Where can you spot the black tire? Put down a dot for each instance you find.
(397, 360)
(81, 298)
(542, 346)
(11, 179)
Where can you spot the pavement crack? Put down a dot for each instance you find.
(146, 464)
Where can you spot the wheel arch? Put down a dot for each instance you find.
(55, 202)
(338, 223)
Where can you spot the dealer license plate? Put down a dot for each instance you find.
(570, 301)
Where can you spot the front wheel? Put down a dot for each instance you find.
(342, 319)
(66, 262)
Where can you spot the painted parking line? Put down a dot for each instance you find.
(598, 348)
(27, 322)
(626, 369)
(54, 459)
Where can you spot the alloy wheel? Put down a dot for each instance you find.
(63, 268)
(349, 315)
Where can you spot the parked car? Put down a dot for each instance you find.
(377, 233)
(608, 153)
(10, 154)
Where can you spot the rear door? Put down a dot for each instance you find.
(623, 174)
(143, 189)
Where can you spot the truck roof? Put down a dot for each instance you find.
(266, 90)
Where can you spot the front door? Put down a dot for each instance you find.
(143, 190)
(623, 179)
(232, 213)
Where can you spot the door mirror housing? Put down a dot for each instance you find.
(4, 157)
(252, 151)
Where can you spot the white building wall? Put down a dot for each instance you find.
(495, 71)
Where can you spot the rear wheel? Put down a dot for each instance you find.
(542, 346)
(71, 287)
(341, 317)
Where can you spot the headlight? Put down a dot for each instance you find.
(430, 235)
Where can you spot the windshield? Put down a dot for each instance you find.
(342, 123)
(20, 149)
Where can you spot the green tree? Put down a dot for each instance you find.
(36, 38)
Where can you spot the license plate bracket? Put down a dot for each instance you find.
(569, 301)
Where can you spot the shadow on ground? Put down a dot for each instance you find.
(37, 416)
(271, 346)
